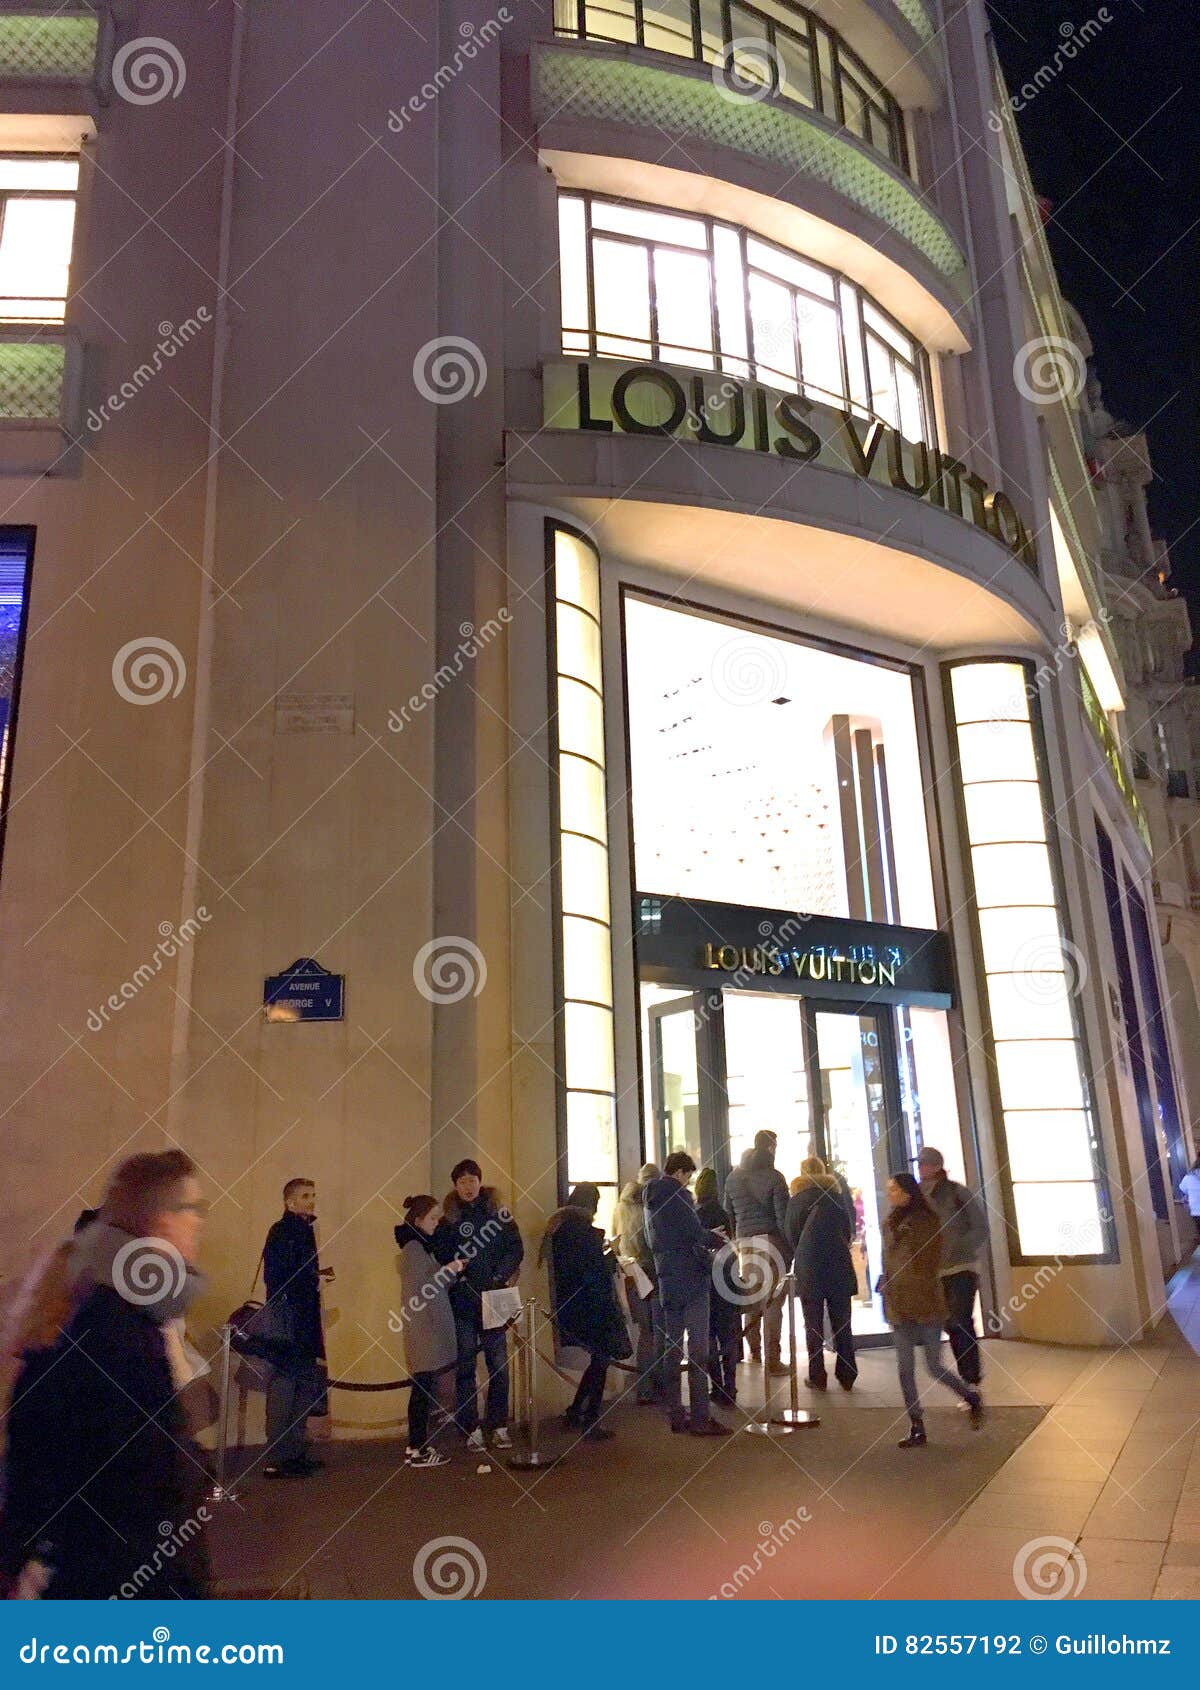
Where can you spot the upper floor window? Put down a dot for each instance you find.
(667, 287)
(783, 48)
(37, 225)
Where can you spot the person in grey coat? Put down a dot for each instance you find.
(430, 1344)
(963, 1235)
(756, 1194)
(646, 1312)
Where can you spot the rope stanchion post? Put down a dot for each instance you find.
(784, 1421)
(531, 1457)
(220, 1490)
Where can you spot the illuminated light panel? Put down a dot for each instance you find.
(1030, 977)
(585, 934)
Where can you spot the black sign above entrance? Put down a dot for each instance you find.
(695, 943)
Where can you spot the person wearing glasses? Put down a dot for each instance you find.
(99, 1455)
(293, 1275)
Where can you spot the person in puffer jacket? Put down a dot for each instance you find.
(756, 1194)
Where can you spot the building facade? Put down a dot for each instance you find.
(553, 516)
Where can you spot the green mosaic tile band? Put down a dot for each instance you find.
(917, 17)
(587, 83)
(33, 45)
(31, 381)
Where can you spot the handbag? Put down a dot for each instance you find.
(263, 1331)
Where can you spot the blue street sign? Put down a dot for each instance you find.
(304, 992)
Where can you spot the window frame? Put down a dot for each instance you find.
(8, 195)
(727, 362)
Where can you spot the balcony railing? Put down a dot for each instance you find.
(775, 46)
(40, 45)
(1111, 747)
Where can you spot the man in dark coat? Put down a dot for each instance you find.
(476, 1228)
(586, 1311)
(293, 1275)
(819, 1231)
(104, 1486)
(680, 1245)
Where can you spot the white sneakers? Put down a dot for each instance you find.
(501, 1439)
(427, 1457)
(475, 1441)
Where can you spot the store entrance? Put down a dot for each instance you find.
(725, 1064)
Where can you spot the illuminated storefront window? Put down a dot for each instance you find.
(37, 225)
(588, 1069)
(1053, 1165)
(665, 287)
(16, 550)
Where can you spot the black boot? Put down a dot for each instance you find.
(916, 1438)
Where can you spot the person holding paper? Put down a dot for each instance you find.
(637, 1260)
(478, 1229)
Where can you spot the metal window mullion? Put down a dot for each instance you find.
(639, 23)
(593, 328)
(714, 315)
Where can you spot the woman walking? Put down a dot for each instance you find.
(819, 1230)
(913, 1301)
(727, 1298)
(430, 1345)
(586, 1311)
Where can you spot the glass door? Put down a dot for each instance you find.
(675, 1078)
(852, 1061)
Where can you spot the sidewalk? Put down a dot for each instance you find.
(1095, 1449)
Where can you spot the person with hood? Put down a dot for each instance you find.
(646, 1311)
(293, 1274)
(819, 1231)
(964, 1235)
(914, 1302)
(726, 1297)
(587, 1314)
(99, 1455)
(430, 1346)
(757, 1194)
(478, 1229)
(682, 1263)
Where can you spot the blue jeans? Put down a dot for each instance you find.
(471, 1339)
(909, 1336)
(691, 1318)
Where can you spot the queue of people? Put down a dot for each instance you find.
(100, 1446)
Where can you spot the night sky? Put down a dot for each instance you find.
(1114, 143)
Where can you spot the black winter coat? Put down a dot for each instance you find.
(292, 1272)
(819, 1231)
(103, 1480)
(681, 1246)
(487, 1238)
(728, 1297)
(582, 1278)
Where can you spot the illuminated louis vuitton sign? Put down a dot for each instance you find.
(605, 396)
(818, 964)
